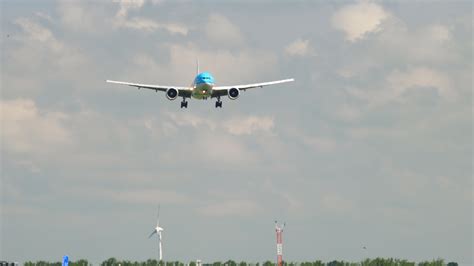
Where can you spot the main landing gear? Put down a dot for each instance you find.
(184, 103)
(219, 102)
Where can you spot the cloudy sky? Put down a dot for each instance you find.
(370, 146)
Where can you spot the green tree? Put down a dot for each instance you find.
(230, 263)
(268, 263)
(438, 262)
(150, 262)
(109, 262)
(406, 263)
(335, 263)
(81, 262)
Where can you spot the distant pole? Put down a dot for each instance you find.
(279, 231)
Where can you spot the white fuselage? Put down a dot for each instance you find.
(202, 86)
(202, 91)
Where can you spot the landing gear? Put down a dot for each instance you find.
(184, 103)
(219, 102)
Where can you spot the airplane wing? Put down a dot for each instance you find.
(183, 91)
(223, 90)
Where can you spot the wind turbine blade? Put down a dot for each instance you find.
(152, 233)
(158, 219)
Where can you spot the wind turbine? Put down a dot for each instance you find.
(158, 231)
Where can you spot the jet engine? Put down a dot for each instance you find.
(171, 94)
(233, 93)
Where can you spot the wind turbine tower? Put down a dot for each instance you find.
(158, 231)
(279, 231)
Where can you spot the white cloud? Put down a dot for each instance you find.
(337, 204)
(123, 20)
(320, 144)
(423, 52)
(149, 25)
(228, 68)
(38, 139)
(37, 32)
(9, 210)
(126, 5)
(144, 196)
(222, 31)
(37, 37)
(348, 112)
(359, 19)
(299, 47)
(39, 55)
(25, 129)
(237, 207)
(223, 150)
(85, 17)
(91, 134)
(249, 125)
(315, 142)
(217, 139)
(294, 204)
(398, 83)
(440, 33)
(44, 16)
(79, 16)
(420, 77)
(422, 45)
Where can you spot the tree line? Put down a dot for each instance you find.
(153, 262)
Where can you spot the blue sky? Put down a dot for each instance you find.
(370, 146)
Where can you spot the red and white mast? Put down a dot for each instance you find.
(279, 231)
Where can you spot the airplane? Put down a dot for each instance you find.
(201, 88)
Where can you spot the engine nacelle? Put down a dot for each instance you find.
(171, 94)
(233, 93)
